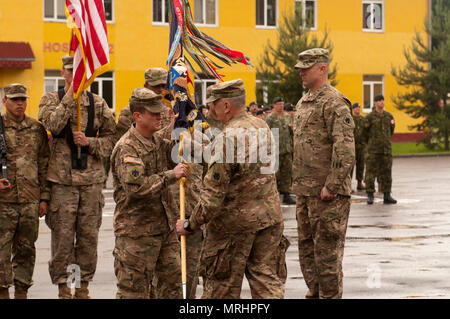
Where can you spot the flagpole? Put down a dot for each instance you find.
(79, 122)
(182, 182)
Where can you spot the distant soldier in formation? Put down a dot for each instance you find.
(283, 122)
(75, 212)
(24, 194)
(144, 220)
(379, 126)
(243, 235)
(155, 80)
(360, 146)
(324, 153)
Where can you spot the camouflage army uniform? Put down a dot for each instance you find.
(378, 130)
(324, 154)
(27, 160)
(145, 215)
(241, 209)
(284, 173)
(360, 148)
(75, 211)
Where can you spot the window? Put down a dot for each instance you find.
(372, 86)
(308, 10)
(160, 11)
(53, 80)
(205, 12)
(373, 16)
(54, 10)
(103, 85)
(266, 13)
(262, 94)
(200, 90)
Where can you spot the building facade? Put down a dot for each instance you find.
(369, 37)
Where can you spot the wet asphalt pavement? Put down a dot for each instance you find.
(391, 251)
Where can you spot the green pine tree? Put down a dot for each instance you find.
(427, 77)
(276, 72)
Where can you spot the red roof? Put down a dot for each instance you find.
(16, 55)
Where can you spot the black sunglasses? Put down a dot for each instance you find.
(15, 99)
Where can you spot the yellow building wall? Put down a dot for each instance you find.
(137, 44)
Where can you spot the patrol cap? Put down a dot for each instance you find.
(253, 103)
(355, 105)
(379, 97)
(67, 62)
(148, 99)
(308, 58)
(15, 90)
(155, 76)
(229, 89)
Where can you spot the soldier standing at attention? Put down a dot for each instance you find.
(378, 129)
(24, 194)
(360, 146)
(75, 212)
(282, 121)
(324, 153)
(144, 220)
(241, 209)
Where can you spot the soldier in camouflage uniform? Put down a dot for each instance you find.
(360, 146)
(144, 219)
(75, 211)
(24, 195)
(378, 128)
(241, 209)
(155, 80)
(324, 153)
(283, 122)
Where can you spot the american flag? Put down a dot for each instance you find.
(89, 44)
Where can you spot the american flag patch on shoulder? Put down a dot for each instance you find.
(133, 160)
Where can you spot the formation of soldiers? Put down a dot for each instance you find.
(234, 223)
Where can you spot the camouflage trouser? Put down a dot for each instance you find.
(284, 173)
(139, 261)
(321, 236)
(359, 162)
(378, 166)
(74, 217)
(19, 227)
(260, 255)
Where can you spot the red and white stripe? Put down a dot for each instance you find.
(89, 41)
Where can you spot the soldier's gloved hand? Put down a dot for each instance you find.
(4, 185)
(181, 170)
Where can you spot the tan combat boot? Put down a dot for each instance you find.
(4, 293)
(82, 292)
(20, 290)
(64, 292)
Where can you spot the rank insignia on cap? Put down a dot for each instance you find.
(347, 120)
(216, 176)
(135, 173)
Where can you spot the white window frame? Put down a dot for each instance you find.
(55, 78)
(100, 81)
(304, 14)
(55, 13)
(265, 26)
(383, 16)
(204, 83)
(372, 95)
(163, 15)
(265, 90)
(216, 11)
